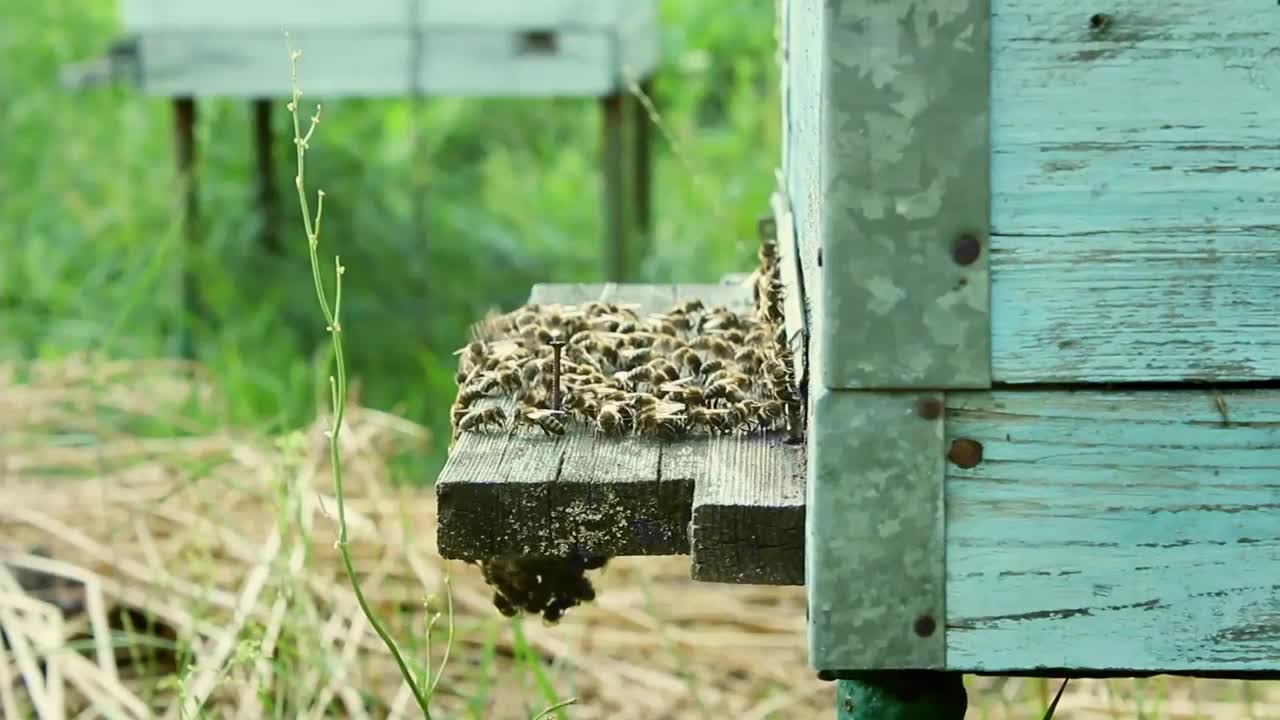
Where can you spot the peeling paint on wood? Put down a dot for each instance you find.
(1115, 530)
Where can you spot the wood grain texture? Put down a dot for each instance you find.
(1135, 210)
(1104, 531)
(522, 493)
(748, 510)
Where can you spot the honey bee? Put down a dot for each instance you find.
(531, 396)
(733, 376)
(718, 348)
(724, 389)
(771, 412)
(631, 379)
(713, 420)
(662, 421)
(660, 325)
(720, 319)
(549, 421)
(682, 393)
(611, 420)
(711, 367)
(507, 379)
(661, 369)
(471, 356)
(625, 327)
(733, 337)
(749, 358)
(580, 407)
(688, 358)
(526, 318)
(680, 321)
(768, 253)
(639, 402)
(635, 358)
(483, 417)
(692, 305)
(640, 340)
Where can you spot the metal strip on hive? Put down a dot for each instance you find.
(905, 178)
(901, 316)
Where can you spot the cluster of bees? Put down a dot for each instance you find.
(541, 586)
(604, 366)
(688, 370)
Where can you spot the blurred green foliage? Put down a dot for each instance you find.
(91, 241)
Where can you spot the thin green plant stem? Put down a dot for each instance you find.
(338, 381)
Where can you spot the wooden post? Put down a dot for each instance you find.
(184, 120)
(616, 226)
(268, 199)
(902, 695)
(644, 162)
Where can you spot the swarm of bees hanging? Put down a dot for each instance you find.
(605, 368)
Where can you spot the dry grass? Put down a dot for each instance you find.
(225, 540)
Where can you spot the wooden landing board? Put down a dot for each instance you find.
(734, 503)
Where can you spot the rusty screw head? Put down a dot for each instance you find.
(929, 408)
(965, 453)
(966, 249)
(925, 625)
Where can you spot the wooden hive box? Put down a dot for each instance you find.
(387, 48)
(1040, 259)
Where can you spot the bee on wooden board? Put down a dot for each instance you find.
(549, 421)
(483, 417)
(611, 419)
(662, 420)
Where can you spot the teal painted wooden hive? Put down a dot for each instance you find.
(1037, 246)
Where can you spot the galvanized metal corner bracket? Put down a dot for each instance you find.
(903, 317)
(906, 188)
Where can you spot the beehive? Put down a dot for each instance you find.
(1032, 289)
(1040, 254)
(389, 48)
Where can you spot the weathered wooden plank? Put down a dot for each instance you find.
(1074, 153)
(748, 504)
(1121, 225)
(493, 487)
(1180, 305)
(1103, 531)
(748, 511)
(611, 490)
(793, 300)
